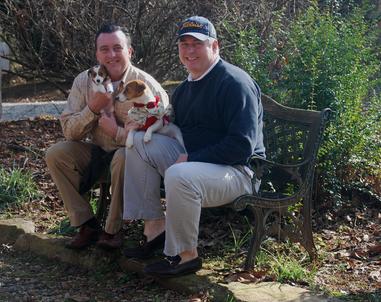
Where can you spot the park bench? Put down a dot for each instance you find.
(282, 207)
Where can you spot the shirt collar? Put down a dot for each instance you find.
(126, 74)
(190, 79)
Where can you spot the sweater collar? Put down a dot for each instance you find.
(190, 79)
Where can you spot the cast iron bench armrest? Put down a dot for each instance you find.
(254, 160)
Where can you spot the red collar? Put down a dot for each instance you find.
(149, 105)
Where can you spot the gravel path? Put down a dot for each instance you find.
(27, 277)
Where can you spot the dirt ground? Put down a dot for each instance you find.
(25, 277)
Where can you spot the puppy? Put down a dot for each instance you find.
(100, 79)
(101, 82)
(148, 111)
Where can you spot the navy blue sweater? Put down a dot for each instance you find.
(220, 116)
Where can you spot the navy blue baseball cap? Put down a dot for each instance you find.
(198, 27)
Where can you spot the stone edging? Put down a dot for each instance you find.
(20, 111)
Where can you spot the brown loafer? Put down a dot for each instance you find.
(110, 241)
(85, 237)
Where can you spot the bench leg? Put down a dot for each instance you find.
(104, 200)
(307, 240)
(256, 238)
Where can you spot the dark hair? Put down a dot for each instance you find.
(109, 28)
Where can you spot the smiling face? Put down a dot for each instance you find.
(196, 55)
(114, 53)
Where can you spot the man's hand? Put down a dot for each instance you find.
(182, 158)
(99, 101)
(131, 125)
(108, 124)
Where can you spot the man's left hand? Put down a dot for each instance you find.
(183, 157)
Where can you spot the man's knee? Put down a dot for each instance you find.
(65, 154)
(55, 152)
(149, 151)
(175, 174)
(117, 162)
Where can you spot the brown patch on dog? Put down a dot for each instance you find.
(134, 89)
(103, 71)
(91, 73)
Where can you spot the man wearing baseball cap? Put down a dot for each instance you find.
(219, 112)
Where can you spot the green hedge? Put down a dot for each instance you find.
(323, 60)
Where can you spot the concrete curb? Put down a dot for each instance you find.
(21, 233)
(20, 111)
(11, 229)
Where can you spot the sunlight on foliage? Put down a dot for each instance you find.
(16, 186)
(63, 228)
(286, 262)
(324, 60)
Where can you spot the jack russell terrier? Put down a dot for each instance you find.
(148, 111)
(101, 82)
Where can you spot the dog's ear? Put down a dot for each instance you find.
(90, 72)
(102, 70)
(140, 87)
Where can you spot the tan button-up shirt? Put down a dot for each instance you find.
(80, 123)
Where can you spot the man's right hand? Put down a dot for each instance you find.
(98, 101)
(131, 125)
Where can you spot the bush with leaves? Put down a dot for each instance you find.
(327, 61)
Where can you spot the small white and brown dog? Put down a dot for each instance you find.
(101, 82)
(100, 79)
(148, 111)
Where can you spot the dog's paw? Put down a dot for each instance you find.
(147, 137)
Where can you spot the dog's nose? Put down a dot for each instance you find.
(98, 81)
(117, 98)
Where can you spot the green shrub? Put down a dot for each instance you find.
(286, 262)
(16, 186)
(331, 61)
(327, 61)
(63, 228)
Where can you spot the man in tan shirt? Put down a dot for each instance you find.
(86, 130)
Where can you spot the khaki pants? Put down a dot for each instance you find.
(67, 162)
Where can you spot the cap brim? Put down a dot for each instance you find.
(198, 36)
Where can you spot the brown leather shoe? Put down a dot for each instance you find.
(85, 237)
(110, 241)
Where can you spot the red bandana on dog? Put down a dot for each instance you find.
(151, 119)
(149, 105)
